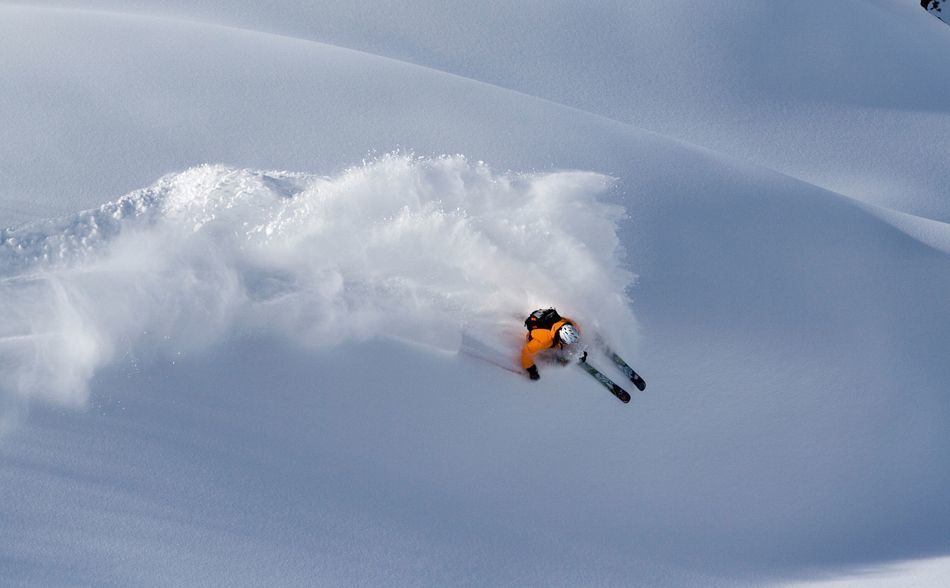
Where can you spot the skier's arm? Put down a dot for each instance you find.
(529, 350)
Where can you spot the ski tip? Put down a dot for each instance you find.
(621, 394)
(638, 382)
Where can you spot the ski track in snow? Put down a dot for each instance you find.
(402, 247)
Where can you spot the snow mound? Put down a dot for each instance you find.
(403, 247)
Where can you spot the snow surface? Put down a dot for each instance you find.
(242, 376)
(805, 88)
(928, 572)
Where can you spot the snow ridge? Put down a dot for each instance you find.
(405, 247)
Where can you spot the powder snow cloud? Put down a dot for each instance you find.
(411, 248)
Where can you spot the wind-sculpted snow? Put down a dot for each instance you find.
(401, 247)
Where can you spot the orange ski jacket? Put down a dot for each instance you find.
(541, 339)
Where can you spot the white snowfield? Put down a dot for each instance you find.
(235, 375)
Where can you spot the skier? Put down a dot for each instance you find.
(546, 330)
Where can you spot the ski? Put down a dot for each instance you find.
(621, 394)
(624, 367)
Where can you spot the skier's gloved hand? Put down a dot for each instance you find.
(533, 373)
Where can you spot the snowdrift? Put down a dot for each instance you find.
(414, 249)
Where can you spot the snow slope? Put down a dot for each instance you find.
(121, 106)
(205, 381)
(805, 88)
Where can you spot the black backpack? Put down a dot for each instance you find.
(543, 318)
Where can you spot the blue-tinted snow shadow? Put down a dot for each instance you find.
(377, 464)
(261, 462)
(806, 341)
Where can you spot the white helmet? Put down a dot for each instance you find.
(568, 334)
